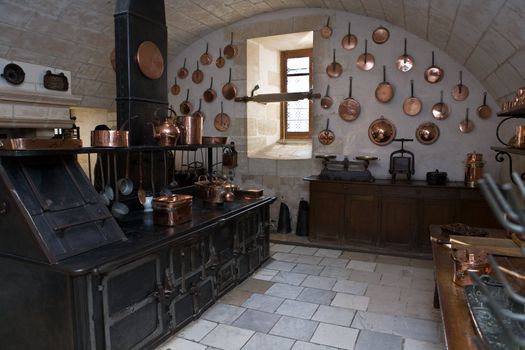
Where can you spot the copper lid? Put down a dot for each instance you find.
(171, 201)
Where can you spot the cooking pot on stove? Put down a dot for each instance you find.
(436, 177)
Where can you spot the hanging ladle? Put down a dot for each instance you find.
(173, 184)
(118, 209)
(108, 189)
(165, 191)
(102, 193)
(125, 185)
(141, 194)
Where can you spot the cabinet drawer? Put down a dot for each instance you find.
(344, 188)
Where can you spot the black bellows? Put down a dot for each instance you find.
(284, 225)
(303, 216)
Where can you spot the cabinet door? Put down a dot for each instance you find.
(473, 210)
(326, 216)
(432, 211)
(361, 219)
(399, 221)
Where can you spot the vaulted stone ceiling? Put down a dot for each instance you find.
(487, 36)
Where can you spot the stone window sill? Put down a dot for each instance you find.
(287, 150)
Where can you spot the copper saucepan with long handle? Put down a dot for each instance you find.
(405, 62)
(440, 110)
(220, 60)
(366, 60)
(326, 31)
(384, 91)
(460, 92)
(434, 74)
(326, 136)
(412, 105)
(334, 69)
(484, 111)
(349, 41)
(229, 90)
(198, 113)
(186, 107)
(466, 125)
(175, 88)
(326, 101)
(380, 35)
(183, 72)
(209, 95)
(222, 120)
(206, 58)
(230, 50)
(349, 108)
(197, 75)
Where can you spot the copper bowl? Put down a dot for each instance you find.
(110, 138)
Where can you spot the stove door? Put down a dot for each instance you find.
(132, 301)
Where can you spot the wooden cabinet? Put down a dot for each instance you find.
(390, 217)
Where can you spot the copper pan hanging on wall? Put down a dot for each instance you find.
(175, 88)
(412, 105)
(484, 111)
(440, 110)
(149, 59)
(186, 107)
(384, 91)
(427, 133)
(366, 60)
(326, 101)
(222, 120)
(220, 60)
(466, 125)
(229, 90)
(326, 136)
(382, 131)
(434, 74)
(380, 35)
(326, 31)
(460, 92)
(183, 72)
(230, 50)
(209, 95)
(197, 75)
(405, 62)
(349, 108)
(206, 58)
(349, 41)
(334, 69)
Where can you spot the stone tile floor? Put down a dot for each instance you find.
(307, 298)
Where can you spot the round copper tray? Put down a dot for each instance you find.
(149, 59)
(382, 131)
(380, 35)
(427, 133)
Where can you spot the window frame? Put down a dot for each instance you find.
(284, 56)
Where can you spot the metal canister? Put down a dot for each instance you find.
(473, 168)
(172, 210)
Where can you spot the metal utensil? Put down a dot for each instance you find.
(466, 125)
(183, 72)
(484, 111)
(366, 60)
(197, 75)
(349, 108)
(427, 133)
(102, 193)
(326, 31)
(173, 184)
(405, 62)
(412, 105)
(349, 41)
(206, 58)
(326, 136)
(380, 35)
(381, 131)
(384, 91)
(125, 185)
(440, 110)
(326, 101)
(230, 51)
(220, 60)
(141, 194)
(434, 74)
(229, 90)
(334, 69)
(460, 92)
(108, 189)
(165, 191)
(118, 209)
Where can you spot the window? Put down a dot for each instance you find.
(296, 76)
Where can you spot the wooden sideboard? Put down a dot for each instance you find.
(390, 217)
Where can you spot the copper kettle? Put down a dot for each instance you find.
(166, 133)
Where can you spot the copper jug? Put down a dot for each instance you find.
(473, 168)
(166, 133)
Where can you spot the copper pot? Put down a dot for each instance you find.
(326, 31)
(384, 91)
(206, 58)
(349, 41)
(190, 129)
(349, 108)
(434, 74)
(405, 62)
(110, 138)
(334, 69)
(440, 110)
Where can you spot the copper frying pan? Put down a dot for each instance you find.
(229, 90)
(326, 101)
(326, 31)
(220, 60)
(198, 113)
(412, 105)
(427, 133)
(405, 62)
(197, 75)
(385, 90)
(380, 35)
(183, 72)
(349, 40)
(434, 74)
(466, 125)
(326, 136)
(460, 91)
(484, 111)
(230, 50)
(209, 95)
(366, 60)
(175, 88)
(186, 107)
(349, 108)
(222, 121)
(150, 60)
(440, 110)
(206, 58)
(334, 69)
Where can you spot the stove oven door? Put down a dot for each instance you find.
(132, 300)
